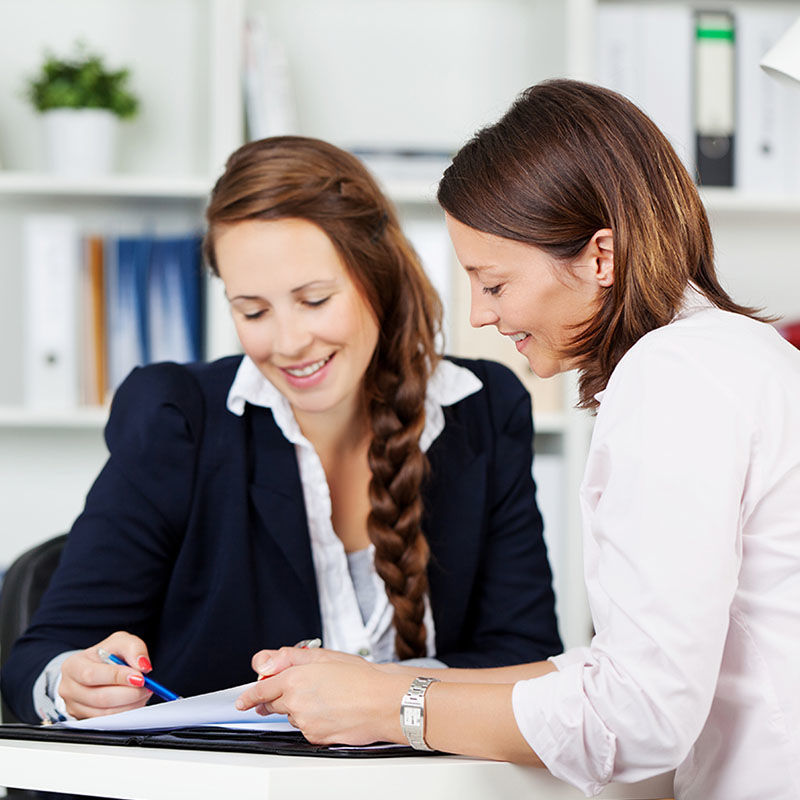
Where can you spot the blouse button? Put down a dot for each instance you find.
(364, 651)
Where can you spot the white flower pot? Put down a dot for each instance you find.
(80, 141)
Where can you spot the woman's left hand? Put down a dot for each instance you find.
(270, 662)
(333, 702)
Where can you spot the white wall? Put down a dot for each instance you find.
(44, 476)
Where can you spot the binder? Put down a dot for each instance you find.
(128, 345)
(94, 376)
(767, 153)
(288, 743)
(52, 257)
(269, 101)
(96, 308)
(155, 302)
(714, 97)
(174, 300)
(202, 722)
(644, 52)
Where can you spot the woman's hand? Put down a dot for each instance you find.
(92, 688)
(331, 697)
(271, 662)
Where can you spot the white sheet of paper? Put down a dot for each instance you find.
(214, 708)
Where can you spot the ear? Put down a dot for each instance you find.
(600, 251)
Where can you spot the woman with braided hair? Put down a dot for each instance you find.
(339, 480)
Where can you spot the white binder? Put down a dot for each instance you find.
(644, 52)
(768, 122)
(52, 256)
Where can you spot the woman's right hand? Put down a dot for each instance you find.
(92, 688)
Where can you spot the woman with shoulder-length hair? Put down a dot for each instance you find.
(586, 242)
(339, 481)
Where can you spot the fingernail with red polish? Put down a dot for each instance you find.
(136, 680)
(144, 664)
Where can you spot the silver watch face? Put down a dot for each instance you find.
(412, 716)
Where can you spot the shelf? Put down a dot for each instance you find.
(83, 418)
(406, 191)
(732, 200)
(95, 417)
(42, 184)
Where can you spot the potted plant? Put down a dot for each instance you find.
(81, 102)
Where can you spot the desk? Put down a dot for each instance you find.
(136, 773)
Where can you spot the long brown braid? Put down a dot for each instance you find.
(299, 177)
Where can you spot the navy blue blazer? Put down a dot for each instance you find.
(194, 537)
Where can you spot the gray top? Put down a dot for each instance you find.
(359, 564)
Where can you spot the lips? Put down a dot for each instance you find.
(308, 369)
(520, 339)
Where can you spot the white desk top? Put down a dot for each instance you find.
(136, 773)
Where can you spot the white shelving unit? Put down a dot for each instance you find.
(727, 201)
(143, 187)
(411, 73)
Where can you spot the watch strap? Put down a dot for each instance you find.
(412, 712)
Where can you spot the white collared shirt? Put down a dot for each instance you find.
(691, 531)
(342, 625)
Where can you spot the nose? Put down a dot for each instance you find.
(292, 335)
(481, 312)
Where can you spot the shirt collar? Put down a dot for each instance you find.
(448, 384)
(693, 300)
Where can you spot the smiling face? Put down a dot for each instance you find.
(527, 295)
(298, 314)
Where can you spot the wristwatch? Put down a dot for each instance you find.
(412, 712)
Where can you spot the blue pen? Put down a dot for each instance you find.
(155, 688)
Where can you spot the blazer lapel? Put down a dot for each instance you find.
(455, 492)
(277, 495)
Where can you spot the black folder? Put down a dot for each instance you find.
(285, 743)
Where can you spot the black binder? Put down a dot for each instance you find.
(715, 97)
(285, 743)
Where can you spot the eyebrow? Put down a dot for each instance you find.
(322, 284)
(478, 267)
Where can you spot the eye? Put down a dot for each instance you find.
(253, 314)
(493, 290)
(317, 303)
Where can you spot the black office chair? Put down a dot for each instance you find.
(23, 586)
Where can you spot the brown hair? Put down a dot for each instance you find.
(566, 160)
(299, 177)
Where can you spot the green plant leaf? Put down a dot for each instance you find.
(82, 81)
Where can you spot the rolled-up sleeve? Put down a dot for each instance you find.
(552, 714)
